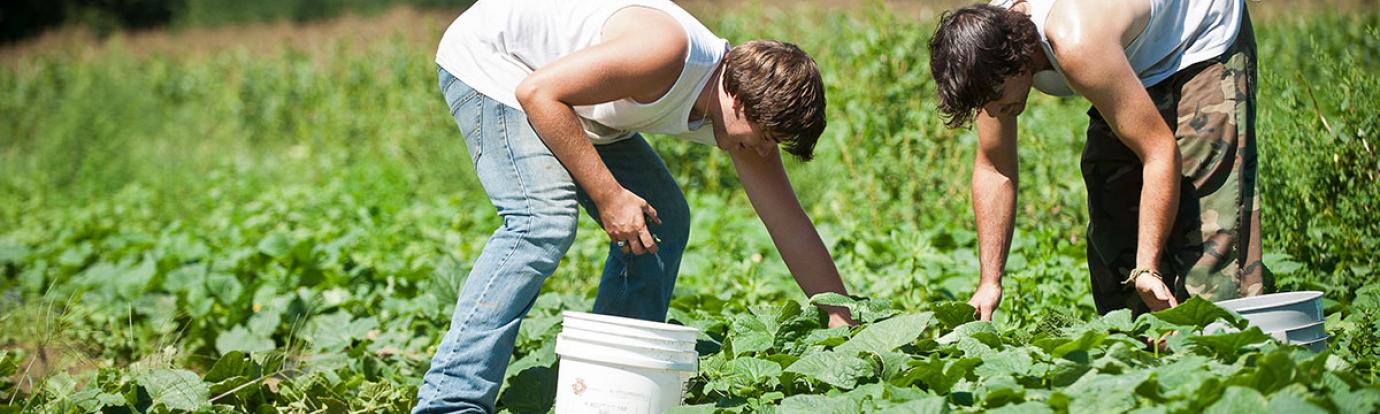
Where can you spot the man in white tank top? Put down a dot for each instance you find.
(1170, 155)
(550, 97)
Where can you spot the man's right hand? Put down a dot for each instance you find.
(986, 299)
(624, 215)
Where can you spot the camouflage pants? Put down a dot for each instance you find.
(1213, 249)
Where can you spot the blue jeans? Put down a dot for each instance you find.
(538, 201)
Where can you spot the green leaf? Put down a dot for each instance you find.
(1238, 400)
(13, 253)
(275, 245)
(753, 369)
(242, 340)
(888, 334)
(954, 313)
(1283, 403)
(531, 391)
(177, 389)
(1363, 400)
(750, 335)
(1281, 263)
(709, 408)
(862, 310)
(938, 374)
(1013, 362)
(1028, 407)
(225, 288)
(819, 404)
(980, 330)
(1085, 342)
(1118, 320)
(927, 405)
(338, 330)
(833, 368)
(230, 364)
(1227, 346)
(135, 281)
(1199, 312)
(1103, 393)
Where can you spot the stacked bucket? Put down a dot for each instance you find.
(1291, 317)
(612, 364)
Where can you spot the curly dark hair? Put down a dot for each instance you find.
(972, 53)
(780, 89)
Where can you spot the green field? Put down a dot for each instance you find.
(236, 231)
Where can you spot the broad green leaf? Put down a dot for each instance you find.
(980, 330)
(1103, 393)
(13, 253)
(1280, 263)
(888, 334)
(1361, 400)
(1028, 407)
(1085, 342)
(954, 313)
(225, 288)
(1282, 403)
(862, 310)
(693, 409)
(753, 369)
(337, 330)
(230, 364)
(1199, 312)
(276, 245)
(937, 374)
(1014, 362)
(1227, 346)
(531, 391)
(1238, 400)
(819, 404)
(750, 335)
(1118, 320)
(833, 368)
(828, 337)
(176, 389)
(927, 405)
(135, 281)
(242, 340)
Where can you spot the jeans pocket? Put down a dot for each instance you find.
(467, 107)
(470, 117)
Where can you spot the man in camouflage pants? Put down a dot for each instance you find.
(1170, 159)
(1214, 247)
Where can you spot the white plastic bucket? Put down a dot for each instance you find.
(611, 364)
(628, 327)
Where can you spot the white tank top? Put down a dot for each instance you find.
(495, 44)
(1179, 34)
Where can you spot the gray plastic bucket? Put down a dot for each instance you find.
(1293, 317)
(1279, 311)
(1301, 334)
(1316, 345)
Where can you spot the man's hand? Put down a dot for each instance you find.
(1154, 293)
(624, 216)
(838, 316)
(986, 299)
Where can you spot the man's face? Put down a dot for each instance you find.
(1014, 92)
(737, 133)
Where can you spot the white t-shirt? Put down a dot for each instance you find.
(495, 44)
(1179, 34)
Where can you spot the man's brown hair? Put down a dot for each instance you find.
(972, 53)
(780, 89)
